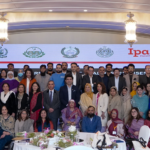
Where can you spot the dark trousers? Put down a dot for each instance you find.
(54, 120)
(5, 140)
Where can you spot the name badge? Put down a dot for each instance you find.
(114, 133)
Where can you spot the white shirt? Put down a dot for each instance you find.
(52, 93)
(64, 72)
(69, 92)
(91, 82)
(74, 78)
(27, 86)
(117, 83)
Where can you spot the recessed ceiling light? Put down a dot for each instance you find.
(50, 10)
(67, 26)
(85, 10)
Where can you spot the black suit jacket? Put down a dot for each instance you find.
(143, 79)
(63, 94)
(122, 83)
(86, 79)
(55, 104)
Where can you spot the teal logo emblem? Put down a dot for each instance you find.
(34, 52)
(104, 52)
(3, 52)
(70, 52)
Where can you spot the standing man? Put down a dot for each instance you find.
(90, 78)
(50, 69)
(144, 79)
(85, 70)
(25, 67)
(64, 68)
(10, 67)
(117, 81)
(68, 92)
(131, 77)
(58, 77)
(52, 103)
(42, 78)
(78, 68)
(103, 78)
(77, 78)
(125, 71)
(109, 70)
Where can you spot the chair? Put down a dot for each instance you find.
(79, 148)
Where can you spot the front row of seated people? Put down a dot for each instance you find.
(71, 116)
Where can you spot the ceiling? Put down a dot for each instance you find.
(94, 6)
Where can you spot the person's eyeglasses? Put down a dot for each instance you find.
(147, 68)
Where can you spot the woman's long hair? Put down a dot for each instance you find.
(20, 118)
(39, 121)
(38, 90)
(32, 74)
(129, 122)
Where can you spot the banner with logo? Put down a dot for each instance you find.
(92, 54)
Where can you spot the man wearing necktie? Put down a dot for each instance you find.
(52, 103)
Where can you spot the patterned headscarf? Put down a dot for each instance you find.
(90, 94)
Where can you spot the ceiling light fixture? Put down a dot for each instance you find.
(85, 10)
(50, 10)
(3, 29)
(130, 26)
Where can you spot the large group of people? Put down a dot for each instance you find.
(113, 102)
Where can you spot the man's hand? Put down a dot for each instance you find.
(103, 115)
(6, 133)
(51, 110)
(2, 136)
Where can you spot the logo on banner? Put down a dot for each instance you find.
(3, 52)
(33, 52)
(70, 52)
(104, 52)
(139, 53)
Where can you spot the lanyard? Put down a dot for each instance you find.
(114, 126)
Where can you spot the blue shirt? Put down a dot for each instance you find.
(58, 80)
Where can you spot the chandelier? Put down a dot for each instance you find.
(3, 29)
(130, 26)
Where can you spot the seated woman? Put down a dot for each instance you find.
(126, 104)
(86, 99)
(7, 98)
(24, 123)
(13, 83)
(114, 101)
(134, 88)
(71, 115)
(115, 125)
(22, 99)
(134, 123)
(20, 75)
(3, 75)
(43, 122)
(147, 123)
(7, 125)
(141, 101)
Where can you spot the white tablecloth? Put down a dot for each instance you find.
(82, 135)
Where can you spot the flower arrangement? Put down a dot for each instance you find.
(64, 143)
(52, 133)
(72, 131)
(31, 135)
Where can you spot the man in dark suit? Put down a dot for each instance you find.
(109, 70)
(77, 78)
(90, 78)
(69, 91)
(117, 81)
(102, 77)
(64, 68)
(52, 103)
(144, 79)
(125, 71)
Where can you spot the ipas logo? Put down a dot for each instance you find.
(139, 53)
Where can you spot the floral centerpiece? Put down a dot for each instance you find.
(64, 143)
(52, 133)
(72, 131)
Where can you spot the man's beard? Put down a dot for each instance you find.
(58, 71)
(130, 72)
(108, 71)
(64, 69)
(50, 69)
(90, 115)
(42, 73)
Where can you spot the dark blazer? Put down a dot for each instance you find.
(63, 94)
(122, 83)
(55, 103)
(143, 79)
(111, 75)
(86, 79)
(10, 104)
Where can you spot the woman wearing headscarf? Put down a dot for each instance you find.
(147, 123)
(71, 115)
(13, 83)
(20, 75)
(86, 98)
(3, 75)
(7, 98)
(28, 80)
(115, 125)
(114, 101)
(134, 123)
(101, 104)
(141, 101)
(126, 104)
(134, 88)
